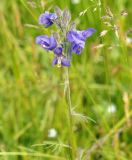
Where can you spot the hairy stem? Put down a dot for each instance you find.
(69, 114)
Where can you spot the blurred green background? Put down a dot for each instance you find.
(32, 102)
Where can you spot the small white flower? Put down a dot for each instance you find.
(52, 133)
(129, 40)
(75, 1)
(111, 108)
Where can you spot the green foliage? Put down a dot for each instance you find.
(32, 91)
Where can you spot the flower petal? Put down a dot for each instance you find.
(77, 48)
(41, 39)
(58, 51)
(49, 43)
(65, 62)
(44, 18)
(53, 43)
(87, 33)
(55, 61)
(75, 36)
(53, 16)
(48, 24)
(70, 37)
(47, 19)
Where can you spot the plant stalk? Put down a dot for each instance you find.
(69, 114)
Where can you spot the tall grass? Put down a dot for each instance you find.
(32, 91)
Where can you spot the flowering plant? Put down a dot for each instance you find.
(71, 41)
(67, 41)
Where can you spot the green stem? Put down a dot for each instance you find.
(69, 113)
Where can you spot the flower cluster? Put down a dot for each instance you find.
(67, 41)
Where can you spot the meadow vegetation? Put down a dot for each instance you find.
(33, 109)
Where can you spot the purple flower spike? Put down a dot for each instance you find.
(48, 43)
(77, 38)
(60, 59)
(47, 19)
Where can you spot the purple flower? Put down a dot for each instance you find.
(77, 39)
(48, 43)
(60, 59)
(47, 19)
(77, 48)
